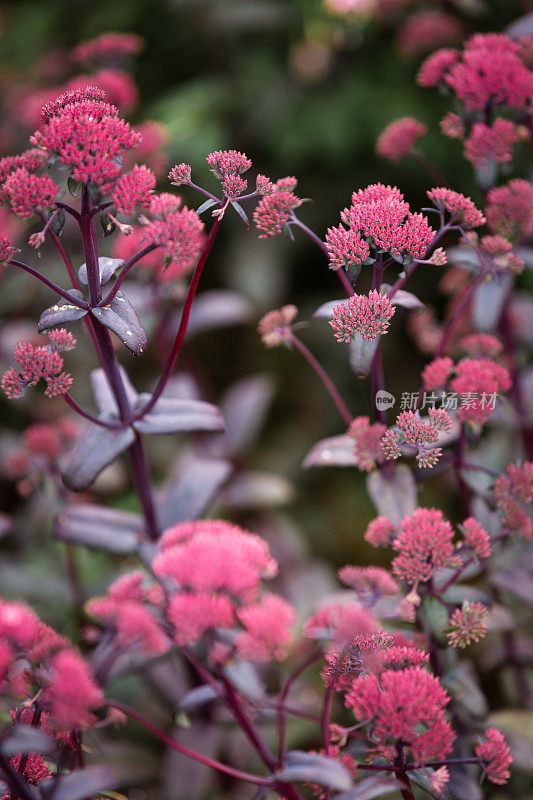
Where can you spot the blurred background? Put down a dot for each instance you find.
(303, 87)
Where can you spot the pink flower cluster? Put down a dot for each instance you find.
(67, 689)
(274, 211)
(478, 379)
(381, 214)
(460, 208)
(275, 327)
(497, 756)
(35, 363)
(180, 232)
(366, 315)
(467, 625)
(108, 45)
(87, 135)
(214, 571)
(367, 443)
(510, 210)
(427, 30)
(492, 142)
(513, 493)
(133, 189)
(132, 612)
(488, 77)
(411, 431)
(424, 544)
(399, 138)
(41, 444)
(404, 706)
(6, 249)
(345, 248)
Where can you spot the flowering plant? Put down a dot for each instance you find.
(398, 705)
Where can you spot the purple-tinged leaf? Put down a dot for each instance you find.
(462, 684)
(520, 27)
(219, 308)
(198, 697)
(172, 415)
(325, 311)
(121, 318)
(464, 786)
(22, 738)
(371, 787)
(302, 767)
(335, 451)
(209, 203)
(464, 257)
(99, 527)
(97, 449)
(107, 268)
(245, 678)
(361, 354)
(78, 785)
(61, 312)
(257, 490)
(488, 302)
(103, 394)
(423, 778)
(190, 494)
(515, 580)
(395, 497)
(242, 213)
(406, 300)
(244, 408)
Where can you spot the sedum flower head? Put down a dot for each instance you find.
(366, 315)
(274, 210)
(467, 625)
(461, 208)
(424, 544)
(399, 138)
(435, 374)
(34, 363)
(510, 210)
(491, 142)
(476, 537)
(345, 248)
(491, 71)
(405, 706)
(180, 233)
(496, 754)
(479, 380)
(275, 327)
(134, 189)
(380, 532)
(381, 214)
(86, 134)
(481, 345)
(228, 162)
(366, 437)
(436, 66)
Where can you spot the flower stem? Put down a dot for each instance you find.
(85, 414)
(51, 285)
(185, 314)
(324, 377)
(111, 368)
(318, 241)
(187, 751)
(124, 271)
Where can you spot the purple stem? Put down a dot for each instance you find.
(86, 415)
(324, 377)
(184, 321)
(51, 285)
(282, 707)
(187, 751)
(319, 243)
(110, 365)
(400, 770)
(124, 271)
